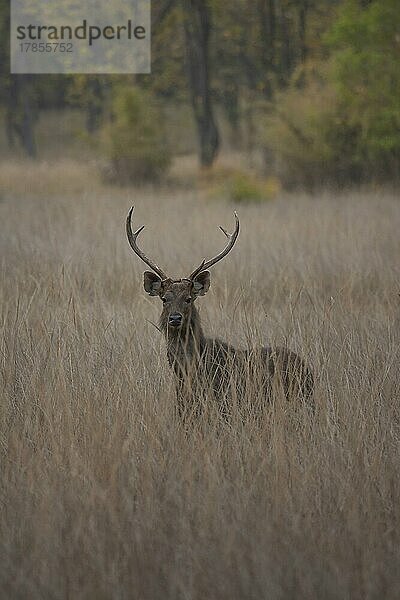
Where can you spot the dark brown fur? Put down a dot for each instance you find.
(210, 365)
(206, 367)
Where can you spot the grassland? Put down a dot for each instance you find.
(102, 493)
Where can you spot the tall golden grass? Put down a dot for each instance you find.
(104, 495)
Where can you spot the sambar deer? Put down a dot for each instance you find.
(208, 367)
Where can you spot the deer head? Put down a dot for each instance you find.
(177, 295)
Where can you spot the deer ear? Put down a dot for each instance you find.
(201, 283)
(152, 283)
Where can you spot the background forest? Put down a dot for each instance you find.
(307, 92)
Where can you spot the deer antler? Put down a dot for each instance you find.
(132, 237)
(232, 237)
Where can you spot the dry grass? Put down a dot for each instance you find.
(102, 493)
(47, 178)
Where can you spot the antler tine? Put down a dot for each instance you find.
(132, 237)
(232, 237)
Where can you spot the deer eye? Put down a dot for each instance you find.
(188, 300)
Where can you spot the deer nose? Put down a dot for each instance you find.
(175, 319)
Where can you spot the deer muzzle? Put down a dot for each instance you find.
(175, 319)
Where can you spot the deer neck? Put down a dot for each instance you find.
(185, 345)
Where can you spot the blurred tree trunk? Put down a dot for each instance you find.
(303, 13)
(197, 30)
(287, 49)
(95, 104)
(267, 15)
(9, 120)
(26, 131)
(230, 102)
(21, 113)
(16, 94)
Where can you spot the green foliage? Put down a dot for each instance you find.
(309, 143)
(134, 140)
(341, 123)
(366, 72)
(328, 71)
(241, 186)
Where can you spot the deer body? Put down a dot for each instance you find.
(202, 364)
(208, 366)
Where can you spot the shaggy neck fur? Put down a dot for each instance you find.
(184, 344)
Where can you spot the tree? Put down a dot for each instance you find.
(198, 24)
(366, 59)
(133, 139)
(17, 93)
(90, 93)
